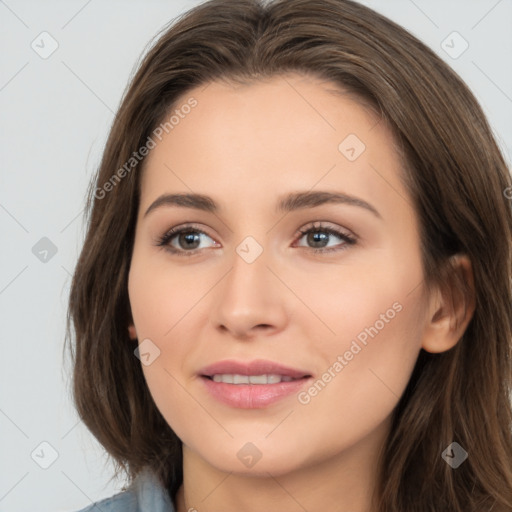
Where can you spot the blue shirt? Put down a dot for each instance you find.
(145, 494)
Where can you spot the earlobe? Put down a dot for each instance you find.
(131, 332)
(451, 307)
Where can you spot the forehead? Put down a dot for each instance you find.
(286, 132)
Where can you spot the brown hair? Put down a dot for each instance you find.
(456, 178)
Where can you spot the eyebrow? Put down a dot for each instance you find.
(289, 203)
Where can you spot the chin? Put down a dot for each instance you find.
(256, 459)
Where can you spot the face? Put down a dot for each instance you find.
(278, 329)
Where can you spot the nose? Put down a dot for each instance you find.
(251, 300)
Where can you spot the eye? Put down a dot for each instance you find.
(320, 236)
(186, 240)
(186, 237)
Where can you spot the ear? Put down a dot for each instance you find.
(132, 332)
(451, 306)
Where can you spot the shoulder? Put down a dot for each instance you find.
(145, 494)
(124, 501)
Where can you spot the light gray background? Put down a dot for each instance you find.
(55, 115)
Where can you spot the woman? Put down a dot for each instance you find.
(294, 293)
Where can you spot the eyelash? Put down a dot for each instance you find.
(164, 240)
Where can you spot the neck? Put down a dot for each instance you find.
(341, 481)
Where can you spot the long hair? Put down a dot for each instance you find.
(456, 178)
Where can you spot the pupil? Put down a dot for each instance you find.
(189, 237)
(318, 236)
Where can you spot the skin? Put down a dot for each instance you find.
(246, 147)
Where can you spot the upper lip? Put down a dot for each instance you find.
(255, 367)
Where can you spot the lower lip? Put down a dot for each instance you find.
(252, 396)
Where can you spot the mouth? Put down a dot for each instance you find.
(253, 385)
(237, 379)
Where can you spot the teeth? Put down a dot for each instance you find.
(258, 379)
(273, 379)
(251, 379)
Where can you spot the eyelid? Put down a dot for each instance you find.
(348, 237)
(327, 226)
(164, 239)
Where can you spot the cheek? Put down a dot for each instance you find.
(374, 318)
(161, 295)
(368, 363)
(163, 303)
(373, 299)
(159, 300)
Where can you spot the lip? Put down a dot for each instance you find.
(252, 396)
(255, 367)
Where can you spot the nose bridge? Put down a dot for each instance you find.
(248, 280)
(250, 295)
